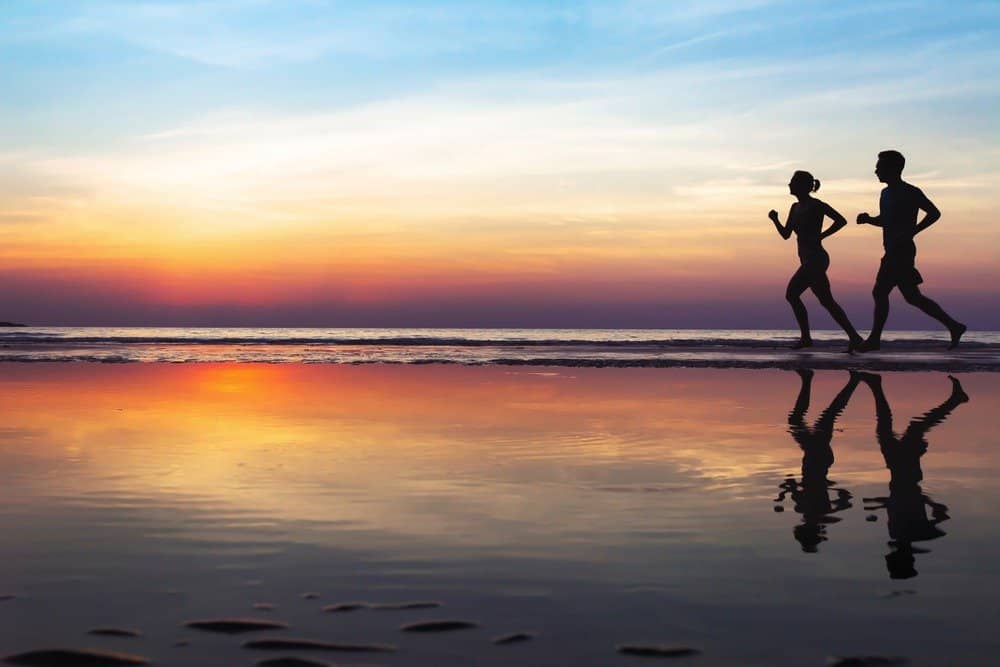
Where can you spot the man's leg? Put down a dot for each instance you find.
(915, 297)
(880, 293)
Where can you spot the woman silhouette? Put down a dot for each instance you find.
(805, 219)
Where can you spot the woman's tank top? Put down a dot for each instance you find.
(809, 228)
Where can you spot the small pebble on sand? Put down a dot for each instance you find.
(871, 518)
(899, 593)
(657, 650)
(344, 606)
(233, 626)
(866, 661)
(438, 626)
(292, 662)
(286, 644)
(513, 638)
(394, 606)
(310, 596)
(75, 658)
(114, 632)
(263, 606)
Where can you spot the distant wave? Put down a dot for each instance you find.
(526, 347)
(451, 341)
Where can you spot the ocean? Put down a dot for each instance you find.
(736, 348)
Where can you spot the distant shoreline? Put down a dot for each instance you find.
(12, 324)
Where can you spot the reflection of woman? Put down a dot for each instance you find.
(805, 220)
(907, 504)
(812, 495)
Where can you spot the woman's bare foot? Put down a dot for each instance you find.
(803, 342)
(956, 335)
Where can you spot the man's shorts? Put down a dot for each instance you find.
(898, 268)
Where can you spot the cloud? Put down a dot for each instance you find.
(543, 142)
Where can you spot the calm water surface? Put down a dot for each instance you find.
(593, 507)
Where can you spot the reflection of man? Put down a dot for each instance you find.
(812, 496)
(907, 505)
(899, 205)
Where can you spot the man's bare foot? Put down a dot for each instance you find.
(855, 345)
(803, 342)
(957, 391)
(869, 345)
(956, 335)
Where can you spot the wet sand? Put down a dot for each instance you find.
(508, 515)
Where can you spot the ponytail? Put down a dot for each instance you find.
(804, 181)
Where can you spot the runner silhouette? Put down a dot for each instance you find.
(899, 206)
(805, 220)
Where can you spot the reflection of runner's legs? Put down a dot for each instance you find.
(919, 427)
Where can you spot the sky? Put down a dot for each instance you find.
(468, 163)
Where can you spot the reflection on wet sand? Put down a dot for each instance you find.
(591, 509)
(811, 496)
(906, 504)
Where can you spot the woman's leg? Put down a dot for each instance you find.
(821, 288)
(798, 284)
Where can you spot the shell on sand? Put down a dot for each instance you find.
(75, 658)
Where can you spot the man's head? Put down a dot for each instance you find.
(890, 165)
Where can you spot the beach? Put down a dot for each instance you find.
(592, 509)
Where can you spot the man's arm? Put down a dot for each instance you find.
(933, 214)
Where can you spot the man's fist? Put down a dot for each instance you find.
(773, 215)
(864, 218)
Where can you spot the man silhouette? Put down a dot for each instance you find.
(899, 206)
